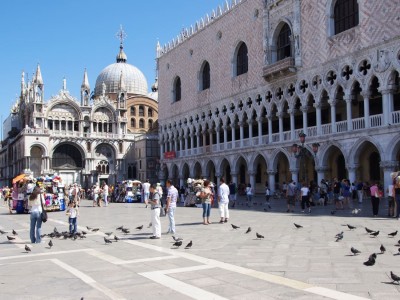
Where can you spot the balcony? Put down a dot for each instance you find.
(279, 69)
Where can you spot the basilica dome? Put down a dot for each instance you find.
(134, 80)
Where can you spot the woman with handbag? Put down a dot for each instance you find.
(36, 201)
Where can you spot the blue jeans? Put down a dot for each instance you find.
(206, 209)
(36, 227)
(171, 214)
(398, 206)
(72, 225)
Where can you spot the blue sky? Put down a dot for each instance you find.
(67, 36)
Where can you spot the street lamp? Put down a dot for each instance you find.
(300, 153)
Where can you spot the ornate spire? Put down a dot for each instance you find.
(121, 35)
(38, 76)
(23, 86)
(85, 82)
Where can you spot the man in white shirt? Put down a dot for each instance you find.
(105, 193)
(146, 191)
(223, 201)
(170, 207)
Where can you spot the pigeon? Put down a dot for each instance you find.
(355, 251)
(351, 227)
(107, 241)
(84, 232)
(50, 244)
(74, 237)
(10, 238)
(393, 234)
(259, 236)
(89, 228)
(297, 225)
(248, 230)
(234, 226)
(339, 236)
(116, 238)
(2, 232)
(370, 261)
(374, 234)
(95, 229)
(139, 227)
(189, 245)
(108, 233)
(27, 249)
(382, 248)
(398, 242)
(369, 230)
(14, 232)
(177, 239)
(125, 230)
(120, 227)
(395, 277)
(177, 244)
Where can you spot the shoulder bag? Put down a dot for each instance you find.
(43, 215)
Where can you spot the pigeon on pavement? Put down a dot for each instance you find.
(297, 225)
(370, 261)
(351, 227)
(374, 234)
(107, 241)
(248, 230)
(10, 238)
(27, 249)
(189, 245)
(2, 232)
(50, 244)
(234, 226)
(139, 227)
(177, 239)
(14, 232)
(355, 251)
(95, 229)
(177, 244)
(259, 236)
(369, 230)
(395, 278)
(393, 234)
(108, 233)
(116, 238)
(382, 248)
(125, 230)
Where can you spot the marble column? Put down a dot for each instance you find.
(269, 129)
(225, 136)
(387, 105)
(305, 119)
(252, 180)
(318, 115)
(250, 132)
(259, 120)
(233, 135)
(349, 99)
(241, 134)
(218, 134)
(333, 115)
(271, 180)
(295, 174)
(366, 96)
(292, 125)
(280, 121)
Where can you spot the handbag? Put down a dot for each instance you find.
(43, 215)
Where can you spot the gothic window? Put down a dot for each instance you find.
(133, 122)
(345, 15)
(177, 89)
(141, 123)
(133, 111)
(150, 113)
(242, 60)
(141, 111)
(205, 77)
(283, 43)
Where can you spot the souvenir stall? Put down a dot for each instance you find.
(53, 191)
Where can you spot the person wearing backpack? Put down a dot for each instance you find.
(155, 204)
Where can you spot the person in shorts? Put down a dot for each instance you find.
(291, 196)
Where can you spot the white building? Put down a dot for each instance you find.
(87, 140)
(238, 87)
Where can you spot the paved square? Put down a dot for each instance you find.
(223, 263)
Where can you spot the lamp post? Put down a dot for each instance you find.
(300, 153)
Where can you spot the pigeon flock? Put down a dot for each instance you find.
(178, 242)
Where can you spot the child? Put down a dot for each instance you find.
(9, 200)
(72, 213)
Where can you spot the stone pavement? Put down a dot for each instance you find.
(223, 263)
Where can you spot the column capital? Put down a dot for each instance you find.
(386, 91)
(294, 170)
(365, 94)
(251, 173)
(271, 172)
(332, 102)
(279, 114)
(317, 105)
(389, 165)
(321, 169)
(304, 109)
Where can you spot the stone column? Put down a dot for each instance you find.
(292, 125)
(269, 129)
(210, 137)
(233, 135)
(191, 140)
(218, 134)
(252, 180)
(387, 104)
(305, 119)
(225, 136)
(295, 174)
(321, 173)
(318, 115)
(348, 99)
(175, 144)
(280, 121)
(203, 136)
(388, 167)
(271, 180)
(250, 132)
(259, 120)
(366, 96)
(333, 115)
(234, 178)
(241, 134)
(181, 183)
(198, 140)
(186, 137)
(352, 173)
(181, 144)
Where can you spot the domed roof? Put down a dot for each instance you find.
(135, 82)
